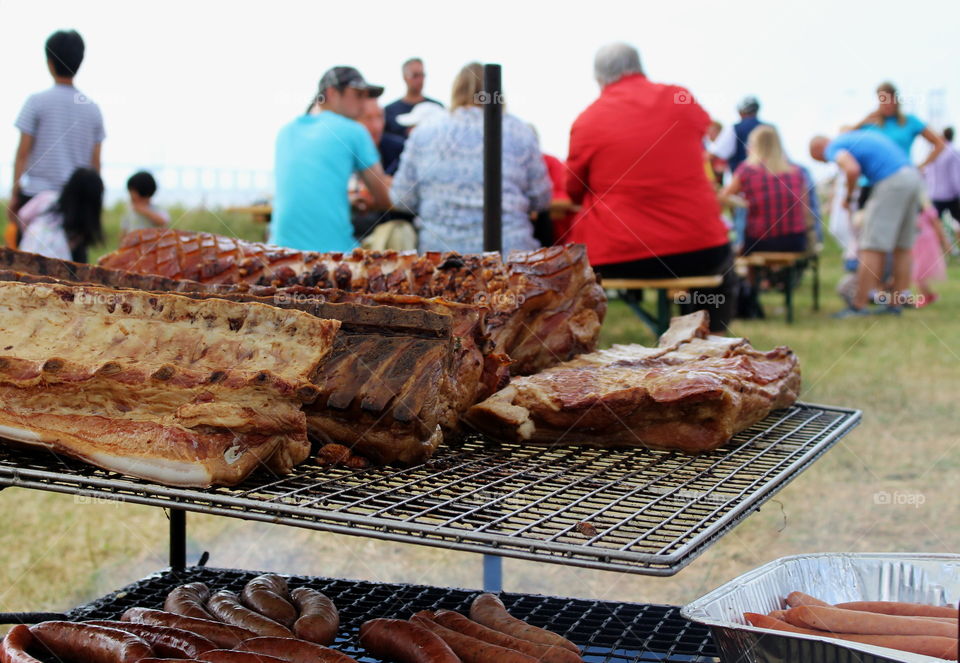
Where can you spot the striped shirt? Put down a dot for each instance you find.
(776, 201)
(65, 126)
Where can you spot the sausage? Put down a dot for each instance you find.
(546, 653)
(13, 649)
(901, 609)
(189, 600)
(797, 599)
(231, 656)
(402, 641)
(267, 594)
(76, 641)
(295, 651)
(226, 606)
(918, 644)
(168, 660)
(838, 620)
(489, 610)
(470, 650)
(165, 641)
(220, 634)
(319, 619)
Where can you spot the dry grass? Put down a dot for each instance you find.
(902, 372)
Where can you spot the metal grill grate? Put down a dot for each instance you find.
(608, 632)
(635, 510)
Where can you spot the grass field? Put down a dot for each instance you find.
(883, 488)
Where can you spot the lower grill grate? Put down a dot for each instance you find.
(608, 632)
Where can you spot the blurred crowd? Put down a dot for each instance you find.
(651, 184)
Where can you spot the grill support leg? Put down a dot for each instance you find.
(492, 574)
(178, 539)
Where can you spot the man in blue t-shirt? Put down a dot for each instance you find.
(891, 211)
(316, 155)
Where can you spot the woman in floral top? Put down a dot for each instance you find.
(440, 178)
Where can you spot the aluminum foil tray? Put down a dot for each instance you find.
(835, 578)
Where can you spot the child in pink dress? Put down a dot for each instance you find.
(928, 251)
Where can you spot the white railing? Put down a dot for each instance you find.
(183, 185)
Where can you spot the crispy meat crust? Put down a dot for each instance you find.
(545, 306)
(156, 385)
(691, 393)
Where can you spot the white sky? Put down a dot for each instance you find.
(209, 83)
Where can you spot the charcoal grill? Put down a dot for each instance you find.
(608, 632)
(635, 510)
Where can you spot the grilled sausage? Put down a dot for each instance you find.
(796, 599)
(489, 610)
(165, 641)
(838, 620)
(470, 650)
(189, 600)
(927, 645)
(295, 651)
(75, 641)
(319, 619)
(402, 641)
(13, 649)
(226, 606)
(220, 634)
(168, 660)
(267, 594)
(545, 653)
(902, 609)
(231, 656)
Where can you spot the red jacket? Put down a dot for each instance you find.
(636, 164)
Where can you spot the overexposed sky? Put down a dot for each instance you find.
(209, 83)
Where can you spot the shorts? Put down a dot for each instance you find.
(891, 213)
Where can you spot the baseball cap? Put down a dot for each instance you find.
(422, 111)
(343, 77)
(749, 104)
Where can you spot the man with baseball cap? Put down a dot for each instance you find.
(316, 154)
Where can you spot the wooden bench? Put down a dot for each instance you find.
(668, 291)
(762, 263)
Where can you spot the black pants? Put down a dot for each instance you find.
(793, 243)
(952, 206)
(715, 260)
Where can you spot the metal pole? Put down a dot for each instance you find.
(492, 574)
(492, 101)
(178, 539)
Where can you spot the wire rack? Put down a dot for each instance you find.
(635, 510)
(606, 631)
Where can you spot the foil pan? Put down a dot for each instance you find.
(835, 578)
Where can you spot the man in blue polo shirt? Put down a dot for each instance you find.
(316, 155)
(890, 214)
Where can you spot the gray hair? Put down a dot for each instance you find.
(614, 61)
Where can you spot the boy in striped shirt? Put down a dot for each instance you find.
(60, 128)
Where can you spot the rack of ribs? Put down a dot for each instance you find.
(158, 386)
(692, 392)
(544, 306)
(401, 372)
